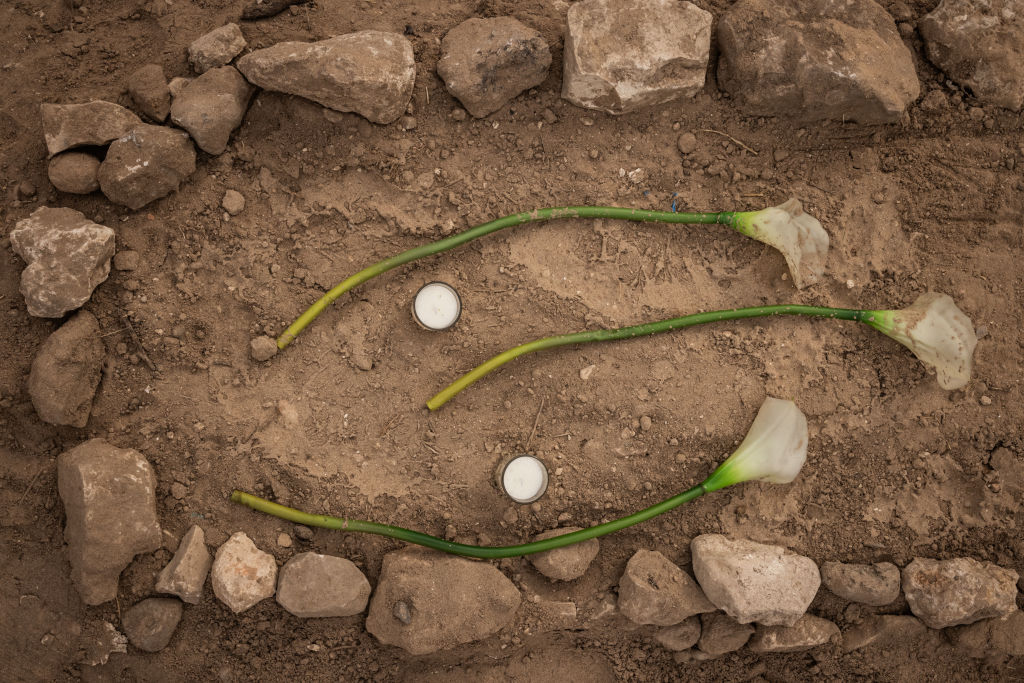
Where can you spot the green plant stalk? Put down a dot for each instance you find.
(724, 218)
(482, 552)
(496, 362)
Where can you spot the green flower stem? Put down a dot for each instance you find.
(482, 552)
(496, 362)
(288, 336)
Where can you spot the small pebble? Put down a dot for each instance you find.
(303, 532)
(687, 143)
(459, 114)
(407, 122)
(26, 190)
(284, 540)
(986, 401)
(645, 423)
(262, 348)
(233, 202)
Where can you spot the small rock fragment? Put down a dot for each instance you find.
(126, 260)
(284, 540)
(66, 372)
(74, 172)
(810, 631)
(26, 190)
(148, 89)
(74, 125)
(991, 637)
(233, 202)
(146, 164)
(682, 636)
(185, 574)
(260, 9)
(945, 593)
(687, 143)
(303, 532)
(216, 48)
(262, 348)
(568, 563)
(177, 84)
(872, 584)
(720, 633)
(313, 585)
(242, 574)
(934, 102)
(883, 631)
(653, 590)
(150, 624)
(212, 106)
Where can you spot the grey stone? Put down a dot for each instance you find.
(212, 106)
(262, 348)
(216, 48)
(625, 55)
(313, 585)
(653, 590)
(148, 163)
(371, 73)
(109, 497)
(568, 563)
(185, 574)
(74, 172)
(978, 44)
(66, 372)
(682, 636)
(815, 60)
(148, 89)
(810, 631)
(68, 256)
(242, 574)
(94, 123)
(754, 582)
(872, 584)
(720, 634)
(451, 601)
(150, 624)
(486, 62)
(991, 637)
(883, 631)
(945, 593)
(233, 202)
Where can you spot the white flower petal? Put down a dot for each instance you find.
(798, 235)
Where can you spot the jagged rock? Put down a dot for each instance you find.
(991, 637)
(754, 582)
(313, 585)
(810, 631)
(216, 48)
(66, 372)
(486, 62)
(883, 630)
(185, 574)
(371, 73)
(146, 164)
(109, 497)
(148, 89)
(945, 593)
(242, 574)
(720, 633)
(150, 624)
(568, 563)
(872, 584)
(624, 55)
(653, 590)
(212, 106)
(94, 123)
(427, 601)
(682, 636)
(815, 60)
(74, 172)
(978, 44)
(68, 256)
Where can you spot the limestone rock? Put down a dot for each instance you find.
(624, 55)
(568, 563)
(66, 372)
(720, 634)
(883, 631)
(486, 62)
(991, 637)
(371, 73)
(74, 125)
(945, 593)
(146, 164)
(68, 256)
(74, 172)
(653, 590)
(148, 89)
(978, 44)
(216, 48)
(185, 574)
(682, 636)
(109, 497)
(427, 601)
(815, 60)
(754, 582)
(872, 584)
(212, 106)
(313, 585)
(810, 631)
(242, 574)
(150, 624)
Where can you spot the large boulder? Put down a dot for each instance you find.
(314, 585)
(146, 164)
(653, 590)
(212, 106)
(66, 372)
(94, 123)
(568, 563)
(242, 574)
(624, 55)
(109, 497)
(371, 73)
(68, 256)
(815, 60)
(945, 593)
(74, 172)
(216, 48)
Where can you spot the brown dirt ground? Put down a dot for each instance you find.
(897, 466)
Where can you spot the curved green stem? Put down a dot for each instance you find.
(496, 362)
(286, 338)
(483, 552)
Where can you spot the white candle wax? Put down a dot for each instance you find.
(525, 479)
(437, 306)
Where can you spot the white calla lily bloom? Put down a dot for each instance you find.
(774, 449)
(939, 334)
(798, 235)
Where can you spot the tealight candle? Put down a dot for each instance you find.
(524, 479)
(436, 306)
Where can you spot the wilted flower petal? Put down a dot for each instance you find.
(798, 235)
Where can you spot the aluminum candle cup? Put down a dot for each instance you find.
(436, 307)
(524, 479)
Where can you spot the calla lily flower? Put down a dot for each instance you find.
(798, 235)
(939, 334)
(774, 449)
